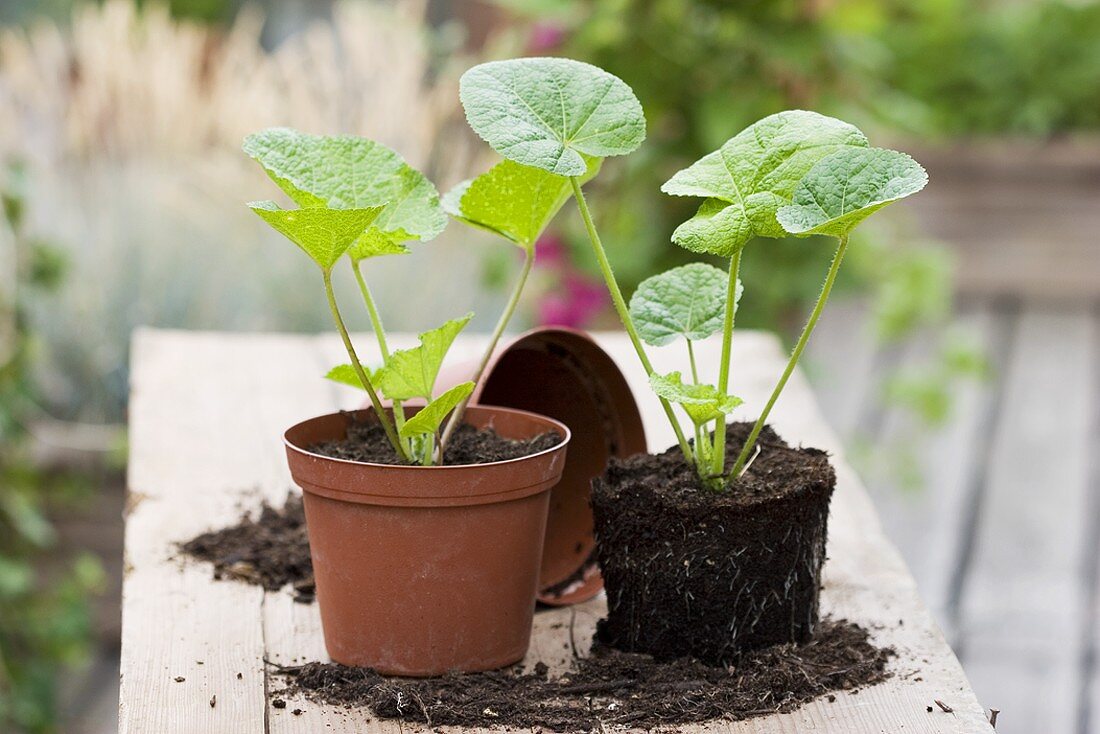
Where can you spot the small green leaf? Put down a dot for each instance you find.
(702, 403)
(688, 301)
(514, 201)
(374, 242)
(431, 415)
(411, 373)
(549, 112)
(847, 187)
(345, 374)
(344, 172)
(323, 234)
(752, 175)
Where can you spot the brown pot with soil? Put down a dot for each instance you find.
(425, 570)
(691, 571)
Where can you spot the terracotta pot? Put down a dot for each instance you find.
(578, 384)
(425, 570)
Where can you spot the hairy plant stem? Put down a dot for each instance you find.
(509, 309)
(380, 335)
(808, 329)
(383, 419)
(718, 453)
(624, 313)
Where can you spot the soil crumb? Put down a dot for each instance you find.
(366, 441)
(610, 688)
(271, 550)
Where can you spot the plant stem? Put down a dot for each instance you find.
(718, 455)
(623, 311)
(498, 331)
(380, 335)
(387, 425)
(826, 288)
(691, 360)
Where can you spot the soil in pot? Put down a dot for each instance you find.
(712, 574)
(366, 441)
(610, 688)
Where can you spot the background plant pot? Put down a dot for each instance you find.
(711, 574)
(562, 373)
(424, 570)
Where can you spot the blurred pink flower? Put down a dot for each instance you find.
(551, 252)
(545, 37)
(574, 303)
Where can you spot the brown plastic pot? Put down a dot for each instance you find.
(425, 570)
(563, 374)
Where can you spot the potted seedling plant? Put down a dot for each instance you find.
(714, 546)
(425, 517)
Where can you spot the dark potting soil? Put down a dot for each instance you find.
(366, 441)
(270, 550)
(610, 688)
(711, 574)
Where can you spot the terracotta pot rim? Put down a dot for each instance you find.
(561, 428)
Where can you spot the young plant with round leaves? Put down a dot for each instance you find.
(556, 115)
(516, 203)
(745, 182)
(766, 182)
(328, 177)
(346, 171)
(833, 198)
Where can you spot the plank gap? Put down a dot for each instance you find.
(1006, 324)
(1090, 630)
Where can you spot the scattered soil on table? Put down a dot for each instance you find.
(366, 441)
(610, 688)
(690, 571)
(271, 550)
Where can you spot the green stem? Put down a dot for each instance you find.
(380, 335)
(621, 308)
(691, 360)
(502, 324)
(826, 288)
(387, 425)
(718, 456)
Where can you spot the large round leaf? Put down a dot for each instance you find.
(752, 175)
(346, 172)
(845, 188)
(547, 112)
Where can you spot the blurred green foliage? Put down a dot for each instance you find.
(44, 617)
(986, 68)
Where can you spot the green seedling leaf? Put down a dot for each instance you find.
(549, 113)
(345, 171)
(431, 415)
(345, 374)
(411, 373)
(323, 234)
(845, 188)
(752, 175)
(513, 201)
(688, 301)
(702, 403)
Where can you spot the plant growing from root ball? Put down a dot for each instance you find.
(793, 173)
(360, 200)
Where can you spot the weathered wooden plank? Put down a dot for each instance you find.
(1022, 606)
(930, 523)
(194, 460)
(865, 578)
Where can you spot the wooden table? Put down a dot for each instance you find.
(207, 412)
